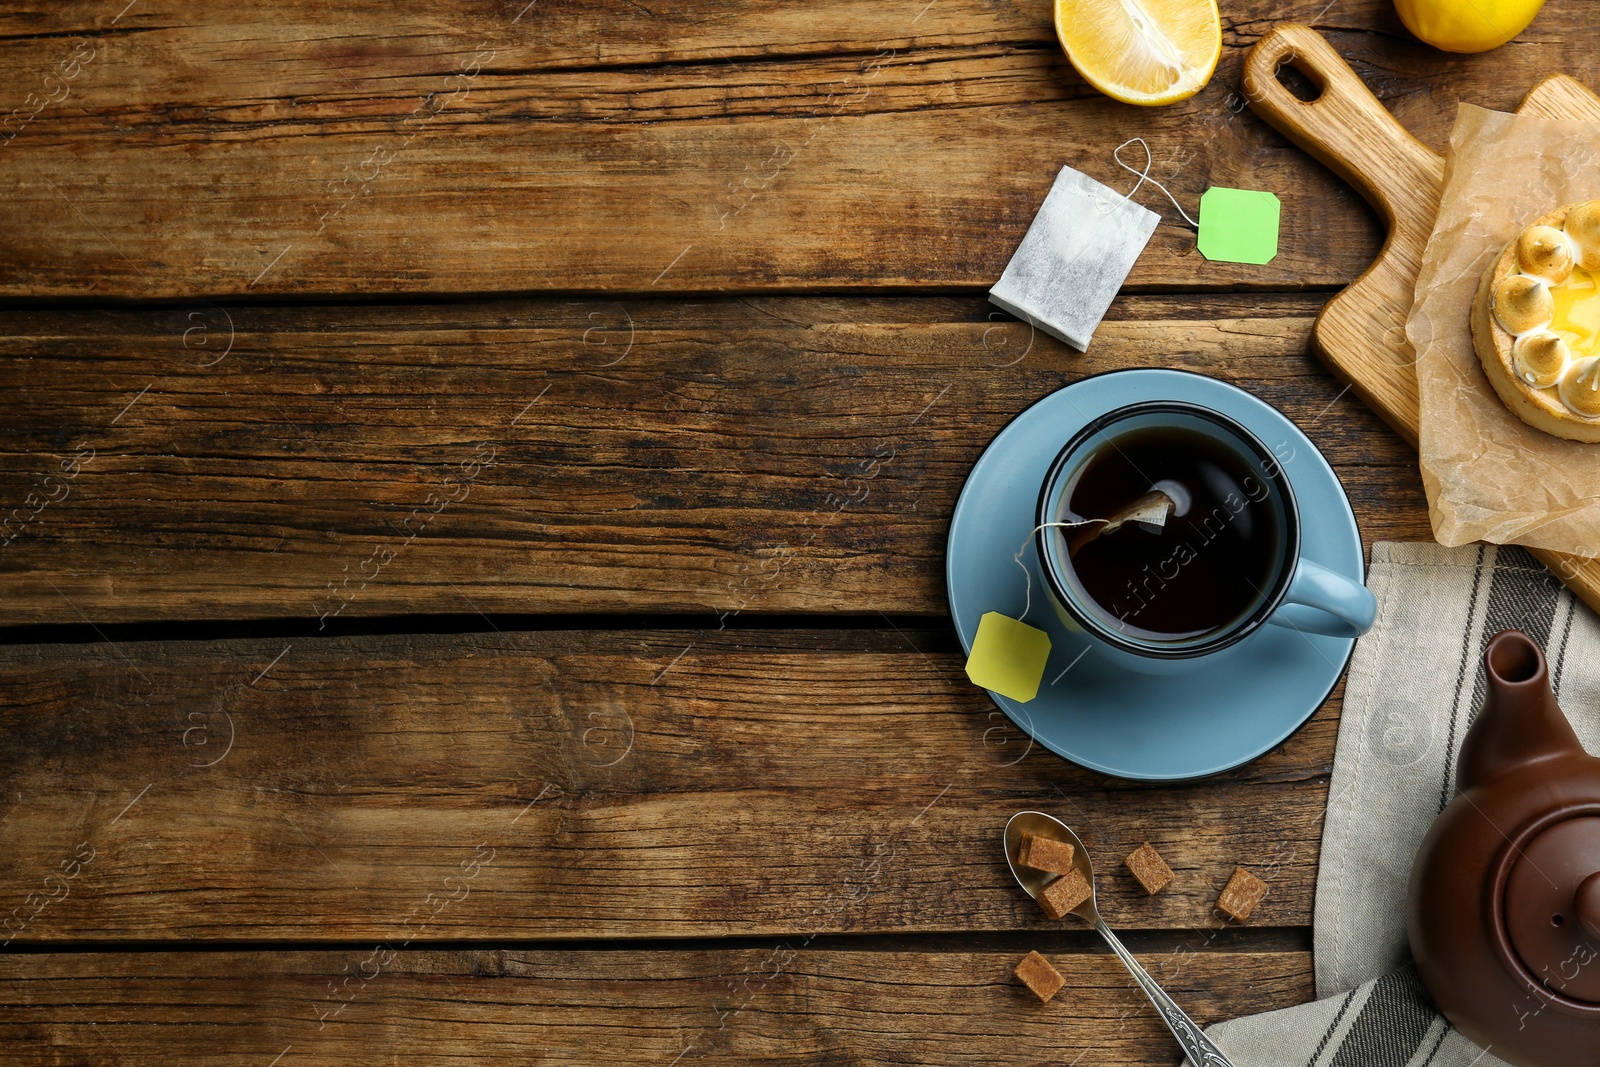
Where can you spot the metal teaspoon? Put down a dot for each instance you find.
(1196, 1045)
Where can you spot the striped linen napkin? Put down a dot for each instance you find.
(1415, 683)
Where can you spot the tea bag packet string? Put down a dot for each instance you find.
(1027, 579)
(1235, 225)
(1144, 176)
(1150, 510)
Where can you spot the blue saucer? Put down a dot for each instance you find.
(1202, 722)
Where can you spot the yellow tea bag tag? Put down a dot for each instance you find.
(1008, 657)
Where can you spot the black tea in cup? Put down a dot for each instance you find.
(1211, 561)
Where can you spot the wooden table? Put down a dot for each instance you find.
(478, 480)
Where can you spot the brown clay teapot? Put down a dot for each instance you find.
(1504, 907)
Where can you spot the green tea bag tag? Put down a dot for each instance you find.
(1239, 225)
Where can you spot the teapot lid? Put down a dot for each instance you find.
(1552, 908)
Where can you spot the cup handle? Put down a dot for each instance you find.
(1320, 601)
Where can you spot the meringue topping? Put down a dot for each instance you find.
(1551, 307)
(1540, 358)
(1522, 303)
(1545, 252)
(1583, 226)
(1580, 389)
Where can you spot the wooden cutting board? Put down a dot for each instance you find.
(1360, 335)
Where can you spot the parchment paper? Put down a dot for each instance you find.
(1489, 475)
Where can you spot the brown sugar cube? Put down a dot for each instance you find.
(1037, 974)
(1241, 895)
(1065, 893)
(1147, 865)
(1045, 854)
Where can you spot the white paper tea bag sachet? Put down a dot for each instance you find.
(1074, 258)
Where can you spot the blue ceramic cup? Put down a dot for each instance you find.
(1288, 590)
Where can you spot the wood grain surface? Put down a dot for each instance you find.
(781, 1003)
(304, 149)
(642, 348)
(594, 784)
(759, 455)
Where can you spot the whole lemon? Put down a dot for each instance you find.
(1467, 25)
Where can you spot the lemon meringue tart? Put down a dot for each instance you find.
(1536, 323)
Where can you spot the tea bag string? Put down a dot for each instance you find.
(1027, 578)
(1144, 176)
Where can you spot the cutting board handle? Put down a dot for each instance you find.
(1344, 126)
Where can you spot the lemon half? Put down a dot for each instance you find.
(1142, 51)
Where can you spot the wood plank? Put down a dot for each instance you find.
(361, 43)
(303, 149)
(794, 176)
(594, 784)
(646, 455)
(781, 1004)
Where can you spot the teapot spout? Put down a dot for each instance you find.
(1520, 722)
